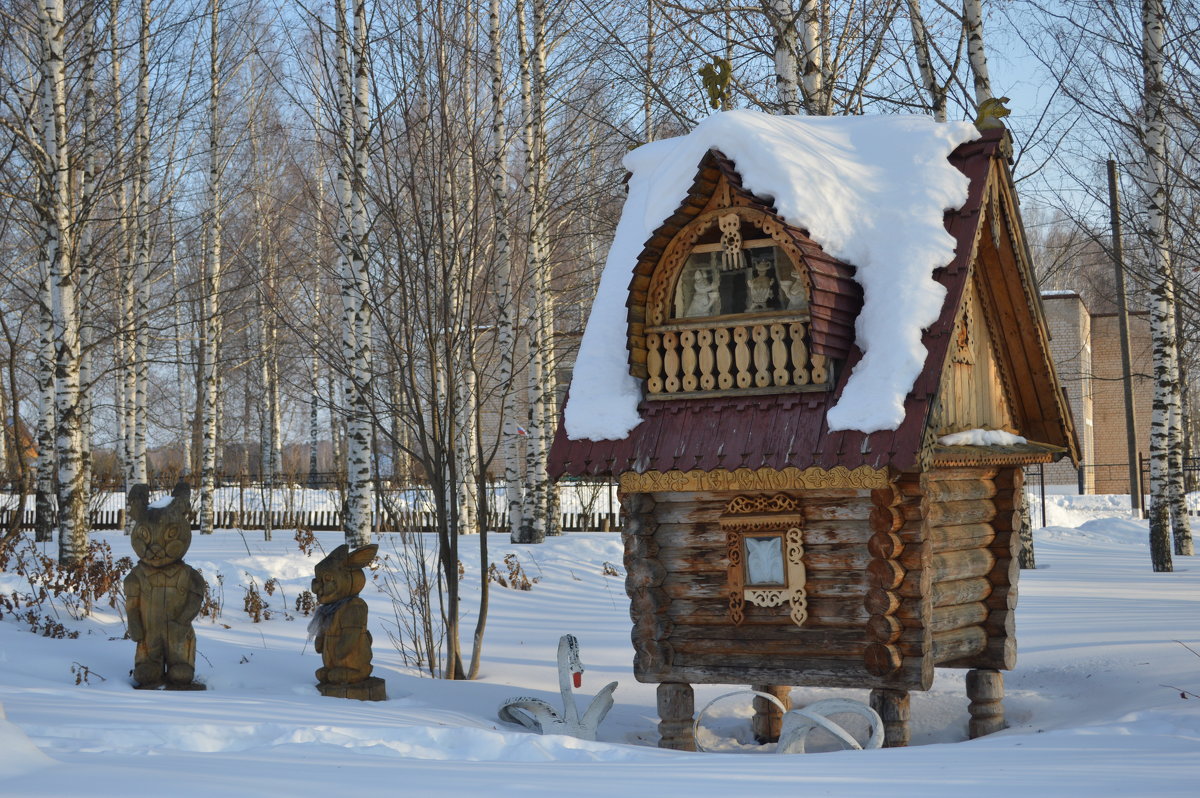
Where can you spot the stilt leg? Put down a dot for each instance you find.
(892, 706)
(985, 688)
(767, 717)
(676, 711)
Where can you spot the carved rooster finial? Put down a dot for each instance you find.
(716, 77)
(991, 111)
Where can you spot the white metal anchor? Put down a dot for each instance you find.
(536, 714)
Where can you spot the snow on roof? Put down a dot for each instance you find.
(871, 190)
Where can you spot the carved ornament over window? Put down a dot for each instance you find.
(728, 308)
(765, 550)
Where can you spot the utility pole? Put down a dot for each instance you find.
(1135, 471)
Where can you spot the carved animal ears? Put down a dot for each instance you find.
(342, 556)
(138, 500)
(181, 499)
(361, 557)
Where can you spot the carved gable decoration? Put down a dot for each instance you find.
(728, 297)
(973, 391)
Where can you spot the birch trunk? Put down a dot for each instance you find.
(783, 19)
(122, 345)
(85, 254)
(510, 440)
(351, 178)
(43, 503)
(142, 278)
(1164, 353)
(648, 83)
(211, 330)
(544, 273)
(813, 83)
(973, 22)
(533, 517)
(72, 501)
(935, 90)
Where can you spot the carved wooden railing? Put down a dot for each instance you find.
(712, 356)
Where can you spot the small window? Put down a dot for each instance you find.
(764, 561)
(760, 279)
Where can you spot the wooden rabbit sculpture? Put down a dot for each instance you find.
(163, 594)
(340, 626)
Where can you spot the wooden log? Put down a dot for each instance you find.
(1002, 598)
(816, 506)
(695, 560)
(985, 689)
(959, 474)
(893, 709)
(676, 712)
(959, 490)
(841, 673)
(828, 612)
(885, 545)
(960, 591)
(800, 646)
(714, 584)
(701, 535)
(885, 574)
(767, 716)
(887, 519)
(882, 658)
(955, 513)
(881, 602)
(1005, 572)
(884, 628)
(958, 644)
(943, 619)
(963, 536)
(917, 582)
(954, 565)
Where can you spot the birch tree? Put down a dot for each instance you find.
(977, 54)
(210, 334)
(352, 146)
(72, 499)
(1168, 512)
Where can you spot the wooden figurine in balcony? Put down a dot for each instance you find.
(819, 489)
(163, 594)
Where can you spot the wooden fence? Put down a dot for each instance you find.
(328, 521)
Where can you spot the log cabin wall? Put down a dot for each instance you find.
(968, 515)
(677, 560)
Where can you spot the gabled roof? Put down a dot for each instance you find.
(790, 430)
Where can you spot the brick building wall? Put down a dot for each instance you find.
(1111, 457)
(1087, 354)
(1071, 349)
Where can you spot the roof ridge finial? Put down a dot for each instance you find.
(716, 77)
(991, 111)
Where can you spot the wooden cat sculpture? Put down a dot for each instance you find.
(163, 594)
(340, 626)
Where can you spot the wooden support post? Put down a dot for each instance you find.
(676, 711)
(893, 708)
(767, 717)
(985, 688)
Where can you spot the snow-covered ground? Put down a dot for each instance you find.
(1094, 705)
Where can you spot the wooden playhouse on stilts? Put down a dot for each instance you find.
(764, 549)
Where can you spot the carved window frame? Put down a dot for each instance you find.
(758, 517)
(661, 296)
